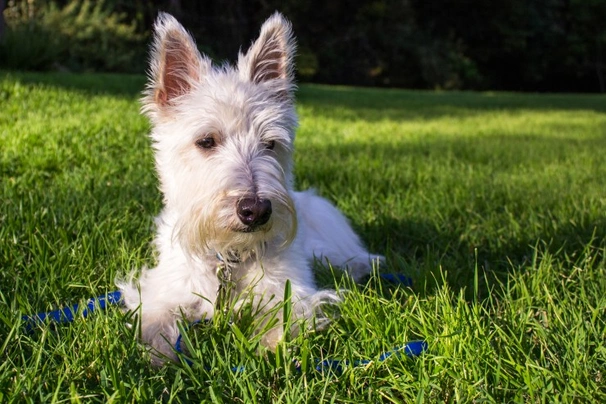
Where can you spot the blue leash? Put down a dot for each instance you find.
(411, 349)
(68, 315)
(397, 279)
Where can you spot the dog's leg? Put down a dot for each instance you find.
(327, 235)
(267, 278)
(165, 295)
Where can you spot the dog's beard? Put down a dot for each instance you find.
(213, 227)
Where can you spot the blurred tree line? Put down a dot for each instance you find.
(520, 45)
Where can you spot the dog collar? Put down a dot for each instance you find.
(230, 258)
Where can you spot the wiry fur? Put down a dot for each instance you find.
(243, 110)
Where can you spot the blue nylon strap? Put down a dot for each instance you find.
(411, 349)
(67, 314)
(398, 279)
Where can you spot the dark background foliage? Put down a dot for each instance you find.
(519, 45)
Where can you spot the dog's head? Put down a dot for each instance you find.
(223, 138)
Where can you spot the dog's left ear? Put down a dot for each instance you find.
(270, 57)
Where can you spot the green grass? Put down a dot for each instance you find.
(494, 203)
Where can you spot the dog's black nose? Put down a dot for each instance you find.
(254, 211)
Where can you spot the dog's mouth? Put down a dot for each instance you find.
(250, 229)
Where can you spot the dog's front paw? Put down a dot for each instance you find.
(160, 334)
(272, 337)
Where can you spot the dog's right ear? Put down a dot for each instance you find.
(176, 65)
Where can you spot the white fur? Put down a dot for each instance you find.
(244, 110)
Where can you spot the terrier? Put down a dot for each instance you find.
(223, 140)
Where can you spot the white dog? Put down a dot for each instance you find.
(223, 140)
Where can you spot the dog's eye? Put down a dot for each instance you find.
(270, 145)
(207, 142)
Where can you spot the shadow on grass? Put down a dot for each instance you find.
(369, 104)
(119, 85)
(479, 209)
(421, 250)
(351, 103)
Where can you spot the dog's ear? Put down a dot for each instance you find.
(175, 67)
(270, 57)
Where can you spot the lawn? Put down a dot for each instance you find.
(493, 203)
